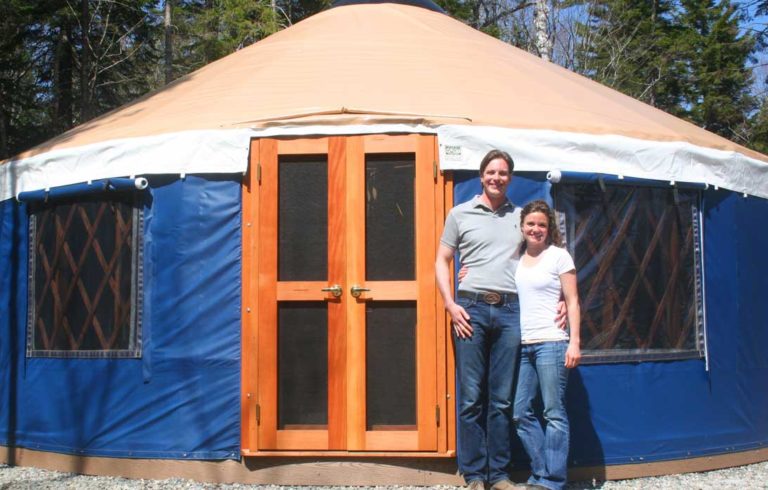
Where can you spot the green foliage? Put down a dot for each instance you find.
(758, 128)
(292, 11)
(122, 50)
(718, 82)
(18, 88)
(207, 30)
(688, 58)
(65, 61)
(632, 46)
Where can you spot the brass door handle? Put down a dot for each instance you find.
(356, 290)
(335, 290)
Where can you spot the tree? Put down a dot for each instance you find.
(210, 29)
(65, 61)
(494, 17)
(543, 32)
(292, 11)
(632, 46)
(19, 89)
(757, 129)
(718, 81)
(168, 40)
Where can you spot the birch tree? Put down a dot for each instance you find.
(168, 40)
(543, 34)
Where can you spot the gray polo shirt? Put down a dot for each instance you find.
(487, 242)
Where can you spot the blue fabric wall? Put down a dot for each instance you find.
(652, 411)
(182, 398)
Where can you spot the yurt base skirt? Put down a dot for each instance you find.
(329, 471)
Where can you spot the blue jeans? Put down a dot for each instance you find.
(542, 367)
(485, 369)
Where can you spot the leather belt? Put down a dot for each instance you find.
(491, 297)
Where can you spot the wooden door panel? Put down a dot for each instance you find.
(272, 294)
(390, 290)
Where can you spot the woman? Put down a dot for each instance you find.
(545, 272)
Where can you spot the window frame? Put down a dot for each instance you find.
(134, 348)
(615, 355)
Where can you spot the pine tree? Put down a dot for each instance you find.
(718, 82)
(207, 30)
(632, 46)
(20, 110)
(292, 11)
(758, 128)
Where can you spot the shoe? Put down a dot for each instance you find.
(506, 485)
(476, 485)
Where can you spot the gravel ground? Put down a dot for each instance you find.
(753, 476)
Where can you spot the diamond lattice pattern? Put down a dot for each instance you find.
(83, 275)
(634, 253)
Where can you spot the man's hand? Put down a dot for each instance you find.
(562, 315)
(572, 356)
(459, 316)
(460, 321)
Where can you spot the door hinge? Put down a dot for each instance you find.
(437, 415)
(258, 172)
(258, 414)
(434, 170)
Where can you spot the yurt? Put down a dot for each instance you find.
(232, 279)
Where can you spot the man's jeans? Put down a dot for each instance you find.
(485, 367)
(542, 366)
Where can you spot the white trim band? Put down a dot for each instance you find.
(462, 147)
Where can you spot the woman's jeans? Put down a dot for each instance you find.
(542, 367)
(485, 368)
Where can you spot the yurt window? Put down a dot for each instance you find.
(84, 277)
(638, 260)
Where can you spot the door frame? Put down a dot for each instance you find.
(440, 397)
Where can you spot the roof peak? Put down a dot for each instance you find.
(427, 4)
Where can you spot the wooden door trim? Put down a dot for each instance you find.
(346, 154)
(426, 346)
(448, 348)
(337, 311)
(249, 309)
(291, 440)
(356, 362)
(267, 298)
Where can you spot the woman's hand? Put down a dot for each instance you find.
(571, 294)
(463, 272)
(572, 355)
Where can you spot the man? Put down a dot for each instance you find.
(486, 321)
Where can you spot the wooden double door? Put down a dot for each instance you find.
(346, 317)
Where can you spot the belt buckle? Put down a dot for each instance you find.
(492, 298)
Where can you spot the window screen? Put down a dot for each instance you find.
(637, 257)
(85, 278)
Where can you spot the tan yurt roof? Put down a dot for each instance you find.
(388, 64)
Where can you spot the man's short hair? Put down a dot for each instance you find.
(493, 155)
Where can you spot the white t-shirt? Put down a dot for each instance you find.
(539, 288)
